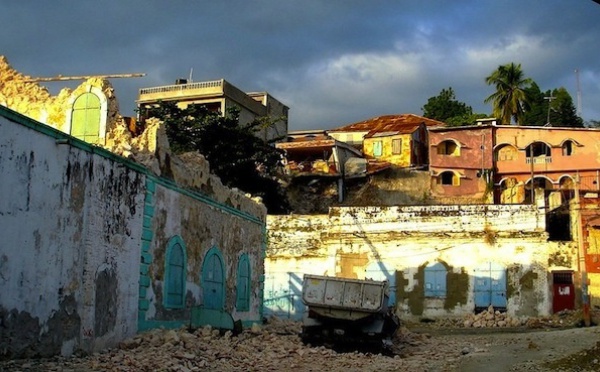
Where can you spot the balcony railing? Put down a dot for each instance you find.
(540, 160)
(182, 87)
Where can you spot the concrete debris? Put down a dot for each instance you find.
(274, 346)
(491, 318)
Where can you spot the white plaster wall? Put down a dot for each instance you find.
(57, 222)
(372, 241)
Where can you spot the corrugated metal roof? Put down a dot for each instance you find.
(306, 144)
(399, 124)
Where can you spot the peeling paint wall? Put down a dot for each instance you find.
(84, 235)
(201, 227)
(401, 159)
(398, 243)
(70, 227)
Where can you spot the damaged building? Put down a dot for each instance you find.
(439, 261)
(98, 245)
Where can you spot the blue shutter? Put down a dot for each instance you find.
(435, 280)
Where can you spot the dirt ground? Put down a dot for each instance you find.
(550, 349)
(276, 346)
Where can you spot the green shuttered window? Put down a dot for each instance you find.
(175, 273)
(85, 122)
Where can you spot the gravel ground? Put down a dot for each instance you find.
(276, 346)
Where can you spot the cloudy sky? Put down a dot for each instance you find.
(332, 62)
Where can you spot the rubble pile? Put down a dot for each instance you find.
(490, 318)
(275, 346)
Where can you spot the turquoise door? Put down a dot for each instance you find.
(490, 286)
(213, 281)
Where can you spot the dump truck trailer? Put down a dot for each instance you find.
(347, 311)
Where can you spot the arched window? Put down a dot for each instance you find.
(538, 149)
(448, 147)
(85, 120)
(506, 153)
(213, 279)
(175, 273)
(435, 280)
(567, 148)
(242, 302)
(449, 178)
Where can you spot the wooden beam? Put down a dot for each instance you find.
(83, 77)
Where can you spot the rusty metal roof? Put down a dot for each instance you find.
(399, 124)
(303, 143)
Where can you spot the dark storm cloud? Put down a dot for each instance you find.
(332, 62)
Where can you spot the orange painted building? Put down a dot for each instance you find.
(479, 162)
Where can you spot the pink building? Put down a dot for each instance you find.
(497, 163)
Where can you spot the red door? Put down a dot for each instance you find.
(563, 290)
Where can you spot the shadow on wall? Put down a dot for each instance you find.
(438, 288)
(283, 295)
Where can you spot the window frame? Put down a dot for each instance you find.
(103, 112)
(396, 146)
(567, 148)
(443, 148)
(455, 180)
(378, 148)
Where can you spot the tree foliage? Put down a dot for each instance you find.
(471, 119)
(510, 101)
(553, 107)
(562, 110)
(536, 115)
(236, 155)
(444, 106)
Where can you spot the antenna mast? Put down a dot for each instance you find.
(578, 93)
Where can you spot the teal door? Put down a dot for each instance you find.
(213, 281)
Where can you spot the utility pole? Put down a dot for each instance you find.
(549, 103)
(585, 297)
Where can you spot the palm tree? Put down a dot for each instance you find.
(510, 101)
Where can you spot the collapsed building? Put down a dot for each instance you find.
(106, 234)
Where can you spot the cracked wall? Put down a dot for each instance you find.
(73, 226)
(67, 216)
(398, 243)
(74, 218)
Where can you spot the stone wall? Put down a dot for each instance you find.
(473, 245)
